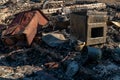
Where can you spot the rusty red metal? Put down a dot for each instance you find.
(24, 27)
(52, 65)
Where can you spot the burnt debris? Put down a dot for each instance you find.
(59, 40)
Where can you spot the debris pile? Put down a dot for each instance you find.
(59, 40)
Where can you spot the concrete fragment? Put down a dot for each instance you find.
(54, 39)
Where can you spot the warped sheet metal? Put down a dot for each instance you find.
(24, 27)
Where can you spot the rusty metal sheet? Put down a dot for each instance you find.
(43, 20)
(31, 29)
(21, 20)
(24, 27)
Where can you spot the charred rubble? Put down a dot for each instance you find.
(48, 40)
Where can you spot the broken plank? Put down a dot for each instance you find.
(85, 6)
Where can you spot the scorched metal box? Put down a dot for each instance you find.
(89, 26)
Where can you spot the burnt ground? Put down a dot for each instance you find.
(42, 62)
